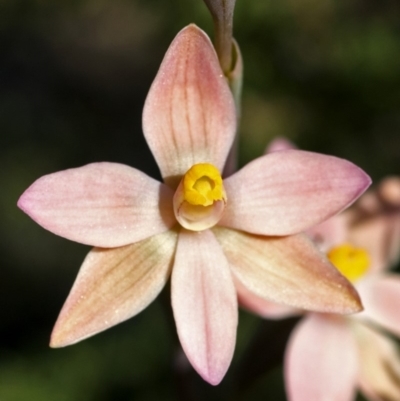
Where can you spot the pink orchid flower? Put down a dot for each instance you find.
(343, 353)
(196, 227)
(328, 356)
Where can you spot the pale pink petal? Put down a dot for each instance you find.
(114, 285)
(261, 306)
(389, 191)
(321, 360)
(381, 299)
(393, 239)
(369, 203)
(278, 144)
(288, 270)
(380, 236)
(101, 204)
(204, 304)
(290, 191)
(189, 116)
(379, 373)
(330, 233)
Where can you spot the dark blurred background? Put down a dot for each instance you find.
(73, 79)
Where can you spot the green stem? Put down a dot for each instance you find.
(222, 13)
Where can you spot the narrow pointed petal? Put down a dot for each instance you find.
(114, 285)
(261, 306)
(321, 360)
(100, 204)
(204, 304)
(381, 299)
(288, 270)
(189, 116)
(290, 191)
(379, 375)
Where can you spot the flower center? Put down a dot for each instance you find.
(202, 185)
(351, 262)
(200, 198)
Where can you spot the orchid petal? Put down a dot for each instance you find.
(261, 306)
(204, 304)
(389, 191)
(379, 372)
(290, 191)
(380, 236)
(100, 204)
(278, 144)
(114, 285)
(287, 270)
(189, 116)
(321, 360)
(330, 233)
(381, 299)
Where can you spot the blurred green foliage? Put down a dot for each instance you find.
(73, 79)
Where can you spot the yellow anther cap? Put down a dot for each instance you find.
(202, 185)
(200, 198)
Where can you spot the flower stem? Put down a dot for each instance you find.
(222, 13)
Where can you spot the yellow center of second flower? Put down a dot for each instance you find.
(202, 185)
(351, 262)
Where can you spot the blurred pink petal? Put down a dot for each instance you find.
(379, 366)
(380, 236)
(330, 233)
(290, 191)
(204, 304)
(389, 191)
(100, 204)
(261, 306)
(189, 116)
(287, 270)
(321, 360)
(278, 144)
(381, 299)
(114, 285)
